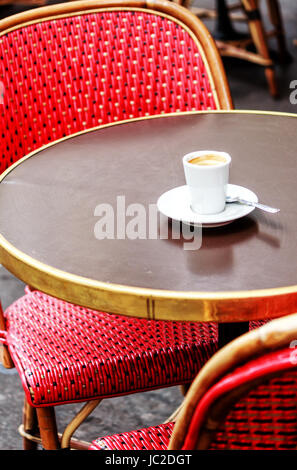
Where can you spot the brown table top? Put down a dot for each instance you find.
(244, 270)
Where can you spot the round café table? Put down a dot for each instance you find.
(243, 271)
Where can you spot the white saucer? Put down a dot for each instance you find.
(175, 204)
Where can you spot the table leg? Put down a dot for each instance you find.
(227, 332)
(230, 331)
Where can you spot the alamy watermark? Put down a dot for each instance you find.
(138, 222)
(293, 94)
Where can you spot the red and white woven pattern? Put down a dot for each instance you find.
(265, 419)
(70, 74)
(67, 353)
(153, 438)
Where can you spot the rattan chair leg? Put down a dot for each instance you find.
(174, 415)
(30, 426)
(76, 422)
(184, 388)
(74, 443)
(277, 21)
(5, 357)
(211, 13)
(259, 38)
(48, 428)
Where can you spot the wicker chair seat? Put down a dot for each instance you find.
(264, 418)
(66, 353)
(152, 438)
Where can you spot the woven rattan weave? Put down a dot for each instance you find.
(68, 353)
(265, 419)
(75, 73)
(243, 398)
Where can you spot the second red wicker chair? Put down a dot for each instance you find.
(244, 399)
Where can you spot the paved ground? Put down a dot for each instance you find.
(249, 90)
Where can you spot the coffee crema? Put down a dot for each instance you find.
(208, 160)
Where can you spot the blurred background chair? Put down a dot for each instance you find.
(67, 68)
(243, 398)
(253, 47)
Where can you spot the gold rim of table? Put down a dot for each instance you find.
(146, 302)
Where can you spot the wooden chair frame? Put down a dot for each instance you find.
(23, 2)
(274, 335)
(250, 13)
(204, 410)
(169, 8)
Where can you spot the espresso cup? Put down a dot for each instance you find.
(207, 175)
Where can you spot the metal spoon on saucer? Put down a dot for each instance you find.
(272, 210)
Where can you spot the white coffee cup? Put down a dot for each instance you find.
(208, 180)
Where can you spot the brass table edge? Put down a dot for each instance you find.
(146, 302)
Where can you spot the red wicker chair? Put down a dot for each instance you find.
(244, 398)
(75, 66)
